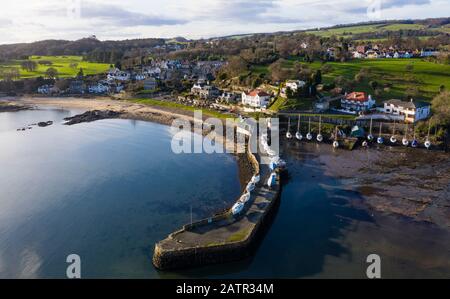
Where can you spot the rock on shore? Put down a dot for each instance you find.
(91, 116)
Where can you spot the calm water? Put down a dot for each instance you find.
(106, 191)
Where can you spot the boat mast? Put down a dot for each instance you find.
(309, 125)
(320, 124)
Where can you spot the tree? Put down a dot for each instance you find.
(29, 65)
(51, 73)
(278, 72)
(373, 84)
(441, 108)
(318, 77)
(80, 74)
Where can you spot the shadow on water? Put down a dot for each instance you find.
(313, 214)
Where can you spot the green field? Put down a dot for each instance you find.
(351, 30)
(426, 76)
(61, 63)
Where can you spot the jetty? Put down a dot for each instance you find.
(225, 237)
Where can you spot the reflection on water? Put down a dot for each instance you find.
(106, 191)
(322, 230)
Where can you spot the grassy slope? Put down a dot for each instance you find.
(349, 31)
(61, 63)
(427, 76)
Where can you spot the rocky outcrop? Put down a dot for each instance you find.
(91, 116)
(44, 124)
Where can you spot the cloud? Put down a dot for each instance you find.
(119, 16)
(400, 3)
(5, 22)
(242, 11)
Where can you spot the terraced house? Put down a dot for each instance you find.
(412, 111)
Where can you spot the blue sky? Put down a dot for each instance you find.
(30, 20)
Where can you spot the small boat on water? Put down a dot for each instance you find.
(309, 136)
(380, 139)
(428, 142)
(414, 143)
(250, 187)
(288, 134)
(256, 179)
(245, 198)
(298, 135)
(272, 180)
(405, 140)
(393, 137)
(320, 136)
(370, 136)
(336, 142)
(237, 208)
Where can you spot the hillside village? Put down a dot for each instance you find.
(287, 72)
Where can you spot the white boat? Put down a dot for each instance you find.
(370, 136)
(319, 137)
(245, 198)
(428, 142)
(309, 135)
(380, 139)
(272, 180)
(237, 208)
(271, 153)
(393, 138)
(256, 179)
(405, 140)
(288, 134)
(298, 135)
(250, 187)
(335, 144)
(365, 144)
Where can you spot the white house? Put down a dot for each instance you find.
(412, 111)
(357, 101)
(294, 85)
(428, 53)
(99, 88)
(358, 55)
(256, 98)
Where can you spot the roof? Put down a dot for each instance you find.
(357, 96)
(405, 104)
(256, 92)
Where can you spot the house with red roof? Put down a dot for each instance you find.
(357, 101)
(256, 98)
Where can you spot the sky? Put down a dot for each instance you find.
(31, 20)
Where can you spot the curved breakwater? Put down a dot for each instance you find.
(225, 237)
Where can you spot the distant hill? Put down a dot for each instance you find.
(78, 47)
